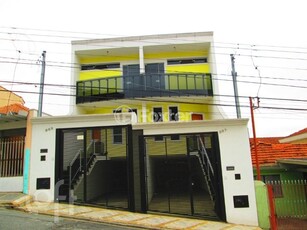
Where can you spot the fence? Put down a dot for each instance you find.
(290, 201)
(11, 156)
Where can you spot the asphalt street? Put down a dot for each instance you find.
(14, 219)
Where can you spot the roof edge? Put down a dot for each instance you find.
(143, 37)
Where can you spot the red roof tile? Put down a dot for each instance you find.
(14, 108)
(268, 153)
(272, 140)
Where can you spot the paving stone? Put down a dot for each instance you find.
(43, 207)
(71, 211)
(99, 215)
(10, 197)
(212, 226)
(183, 224)
(155, 221)
(124, 217)
(243, 227)
(127, 217)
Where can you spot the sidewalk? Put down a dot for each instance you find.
(125, 218)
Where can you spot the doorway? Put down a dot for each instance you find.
(177, 177)
(93, 165)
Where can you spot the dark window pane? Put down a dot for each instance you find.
(186, 61)
(100, 66)
(117, 135)
(175, 137)
(158, 138)
(157, 115)
(173, 113)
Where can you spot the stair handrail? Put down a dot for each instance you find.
(204, 152)
(71, 178)
(92, 155)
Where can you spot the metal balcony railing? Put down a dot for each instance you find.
(144, 85)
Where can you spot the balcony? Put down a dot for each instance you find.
(144, 85)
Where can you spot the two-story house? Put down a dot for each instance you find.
(145, 133)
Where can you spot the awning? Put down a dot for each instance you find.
(297, 164)
(11, 117)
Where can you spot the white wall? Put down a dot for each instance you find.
(44, 137)
(234, 151)
(11, 184)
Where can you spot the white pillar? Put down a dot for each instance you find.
(144, 113)
(141, 60)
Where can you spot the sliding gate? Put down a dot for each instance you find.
(183, 175)
(93, 166)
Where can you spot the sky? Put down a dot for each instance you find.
(268, 39)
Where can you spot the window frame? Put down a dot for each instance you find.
(117, 135)
(175, 137)
(100, 66)
(160, 115)
(170, 114)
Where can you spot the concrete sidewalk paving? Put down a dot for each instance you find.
(14, 199)
(125, 218)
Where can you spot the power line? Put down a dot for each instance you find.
(68, 65)
(100, 45)
(221, 95)
(234, 45)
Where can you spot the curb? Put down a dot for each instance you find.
(123, 218)
(27, 199)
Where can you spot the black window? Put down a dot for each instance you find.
(100, 66)
(157, 114)
(175, 137)
(159, 138)
(133, 111)
(117, 110)
(117, 131)
(186, 61)
(136, 114)
(173, 113)
(117, 135)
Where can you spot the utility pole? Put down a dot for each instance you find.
(235, 87)
(41, 85)
(254, 136)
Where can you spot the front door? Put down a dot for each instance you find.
(155, 79)
(133, 81)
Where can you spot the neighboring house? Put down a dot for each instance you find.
(299, 137)
(146, 134)
(7, 97)
(284, 165)
(13, 122)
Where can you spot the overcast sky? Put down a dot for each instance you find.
(268, 38)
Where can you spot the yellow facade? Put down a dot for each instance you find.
(8, 97)
(179, 77)
(110, 148)
(166, 146)
(185, 110)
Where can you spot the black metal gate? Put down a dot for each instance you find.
(182, 175)
(93, 165)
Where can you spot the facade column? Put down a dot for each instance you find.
(27, 154)
(144, 113)
(141, 60)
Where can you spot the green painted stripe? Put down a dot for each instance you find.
(26, 172)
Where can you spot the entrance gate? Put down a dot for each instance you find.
(183, 174)
(93, 166)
